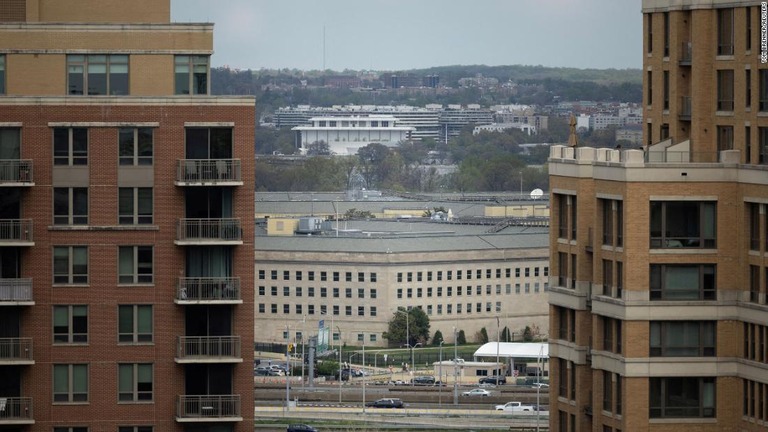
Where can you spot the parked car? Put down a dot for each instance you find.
(423, 380)
(300, 428)
(541, 385)
(386, 403)
(266, 371)
(495, 380)
(477, 392)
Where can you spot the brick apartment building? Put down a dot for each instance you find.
(126, 253)
(659, 256)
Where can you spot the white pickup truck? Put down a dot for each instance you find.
(515, 407)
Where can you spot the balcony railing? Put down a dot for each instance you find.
(209, 289)
(685, 108)
(15, 231)
(686, 54)
(209, 230)
(17, 350)
(682, 157)
(217, 171)
(192, 348)
(207, 407)
(16, 290)
(15, 171)
(16, 410)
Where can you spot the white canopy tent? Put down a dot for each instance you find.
(534, 350)
(507, 352)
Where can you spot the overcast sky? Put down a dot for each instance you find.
(410, 34)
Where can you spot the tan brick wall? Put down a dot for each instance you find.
(100, 11)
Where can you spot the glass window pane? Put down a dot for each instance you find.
(79, 378)
(125, 264)
(60, 379)
(125, 139)
(125, 378)
(145, 319)
(125, 319)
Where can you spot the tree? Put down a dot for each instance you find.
(482, 336)
(372, 159)
(437, 338)
(461, 339)
(505, 336)
(408, 327)
(528, 334)
(318, 148)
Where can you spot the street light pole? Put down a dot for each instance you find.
(498, 342)
(340, 380)
(455, 368)
(364, 376)
(440, 376)
(287, 362)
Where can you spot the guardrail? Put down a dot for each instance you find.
(16, 349)
(208, 406)
(208, 289)
(208, 171)
(190, 347)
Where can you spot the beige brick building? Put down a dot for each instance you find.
(125, 253)
(657, 300)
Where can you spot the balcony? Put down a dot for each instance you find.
(208, 172)
(16, 411)
(16, 292)
(686, 54)
(208, 349)
(206, 408)
(208, 290)
(16, 232)
(208, 232)
(15, 173)
(16, 351)
(685, 109)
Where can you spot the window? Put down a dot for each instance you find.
(683, 282)
(134, 323)
(70, 383)
(682, 338)
(649, 90)
(725, 90)
(748, 88)
(2, 74)
(373, 293)
(666, 35)
(335, 293)
(683, 224)
(754, 226)
(665, 83)
(135, 207)
(754, 284)
(681, 397)
(748, 28)
(649, 47)
(323, 292)
(607, 222)
(191, 74)
(311, 275)
(135, 382)
(724, 138)
(97, 74)
(286, 309)
(286, 274)
(762, 157)
(608, 388)
(373, 311)
(608, 278)
(562, 277)
(360, 277)
(399, 277)
(70, 324)
(134, 429)
(348, 310)
(348, 276)
(747, 144)
(323, 276)
(70, 206)
(361, 311)
(299, 291)
(763, 89)
(70, 146)
(335, 276)
(135, 265)
(372, 277)
(70, 265)
(273, 274)
(348, 293)
(135, 146)
(725, 32)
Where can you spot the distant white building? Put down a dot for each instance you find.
(500, 127)
(345, 135)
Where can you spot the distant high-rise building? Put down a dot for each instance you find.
(126, 252)
(660, 256)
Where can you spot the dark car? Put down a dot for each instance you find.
(386, 403)
(300, 428)
(423, 380)
(496, 380)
